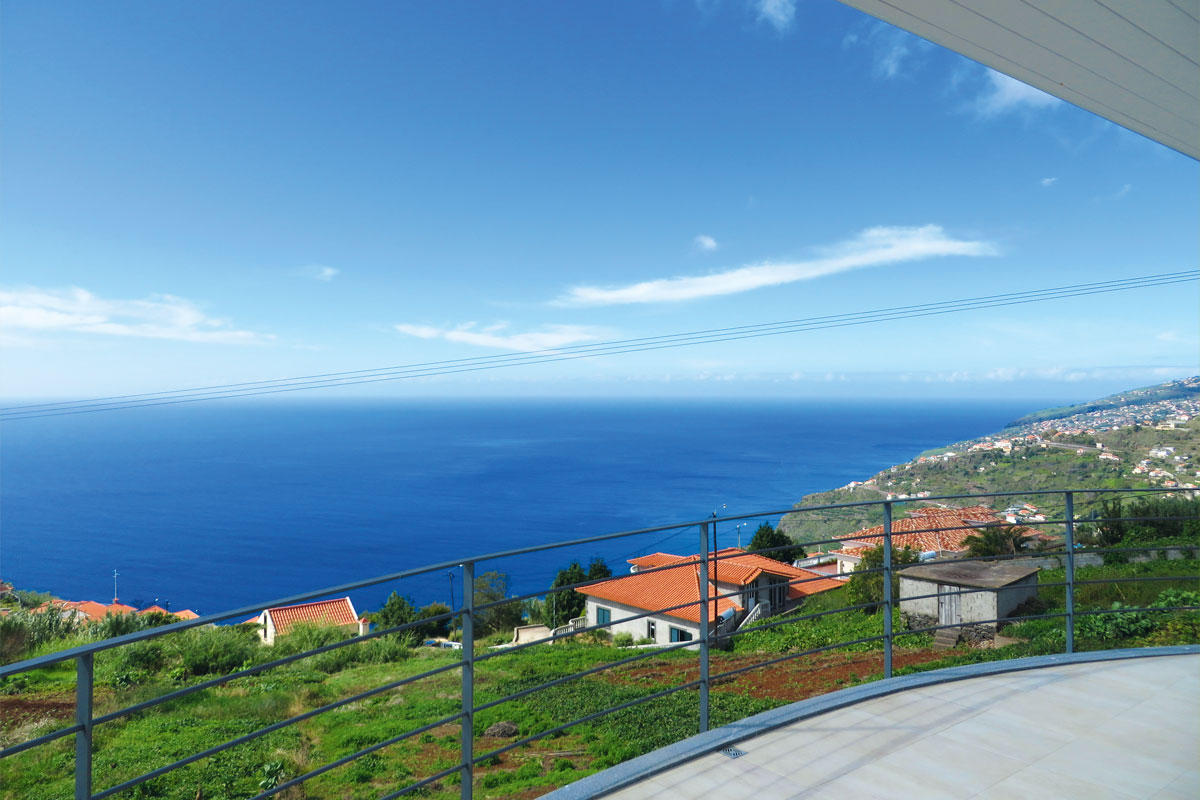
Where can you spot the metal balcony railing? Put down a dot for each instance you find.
(87, 720)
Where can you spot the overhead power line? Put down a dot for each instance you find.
(589, 350)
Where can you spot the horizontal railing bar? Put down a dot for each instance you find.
(223, 679)
(1143, 548)
(975, 590)
(791, 656)
(183, 762)
(579, 631)
(788, 619)
(1139, 578)
(412, 787)
(43, 739)
(594, 670)
(588, 718)
(357, 755)
(1132, 610)
(1004, 619)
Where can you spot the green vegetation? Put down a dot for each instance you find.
(866, 586)
(768, 538)
(562, 607)
(1000, 541)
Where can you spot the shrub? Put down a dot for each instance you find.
(622, 640)
(219, 649)
(1109, 627)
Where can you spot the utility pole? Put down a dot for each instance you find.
(115, 586)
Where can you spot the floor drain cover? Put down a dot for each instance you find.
(732, 752)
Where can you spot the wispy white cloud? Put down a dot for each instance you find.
(779, 14)
(705, 243)
(895, 53)
(546, 338)
(1002, 94)
(319, 272)
(1124, 190)
(34, 311)
(871, 248)
(1048, 182)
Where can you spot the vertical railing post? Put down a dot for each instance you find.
(704, 591)
(1070, 577)
(468, 681)
(83, 717)
(887, 590)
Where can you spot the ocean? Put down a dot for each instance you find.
(218, 505)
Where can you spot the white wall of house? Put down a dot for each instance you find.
(638, 628)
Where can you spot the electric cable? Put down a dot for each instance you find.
(587, 350)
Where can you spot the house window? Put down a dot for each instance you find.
(678, 635)
(650, 632)
(603, 615)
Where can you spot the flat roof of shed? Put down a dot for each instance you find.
(977, 574)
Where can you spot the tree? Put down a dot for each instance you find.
(434, 628)
(396, 611)
(492, 587)
(598, 570)
(996, 541)
(867, 587)
(768, 538)
(563, 606)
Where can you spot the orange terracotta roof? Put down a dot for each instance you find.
(680, 584)
(154, 609)
(654, 560)
(656, 590)
(186, 613)
(742, 568)
(321, 612)
(930, 528)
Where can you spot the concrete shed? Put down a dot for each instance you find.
(966, 594)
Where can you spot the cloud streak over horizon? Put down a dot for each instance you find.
(547, 338)
(74, 310)
(871, 248)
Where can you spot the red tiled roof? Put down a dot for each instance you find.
(930, 528)
(321, 612)
(680, 584)
(154, 609)
(655, 590)
(186, 613)
(95, 611)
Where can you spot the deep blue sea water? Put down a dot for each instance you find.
(214, 506)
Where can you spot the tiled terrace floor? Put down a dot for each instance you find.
(1110, 729)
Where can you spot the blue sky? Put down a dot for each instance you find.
(220, 192)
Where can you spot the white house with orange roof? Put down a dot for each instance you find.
(669, 585)
(281, 620)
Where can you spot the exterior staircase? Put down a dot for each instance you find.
(758, 612)
(945, 638)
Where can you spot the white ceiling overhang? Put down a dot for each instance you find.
(1134, 62)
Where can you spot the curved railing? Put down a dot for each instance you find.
(702, 652)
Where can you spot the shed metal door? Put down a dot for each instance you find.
(948, 613)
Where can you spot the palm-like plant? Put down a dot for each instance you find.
(998, 541)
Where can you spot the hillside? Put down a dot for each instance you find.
(1074, 451)
(1129, 401)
